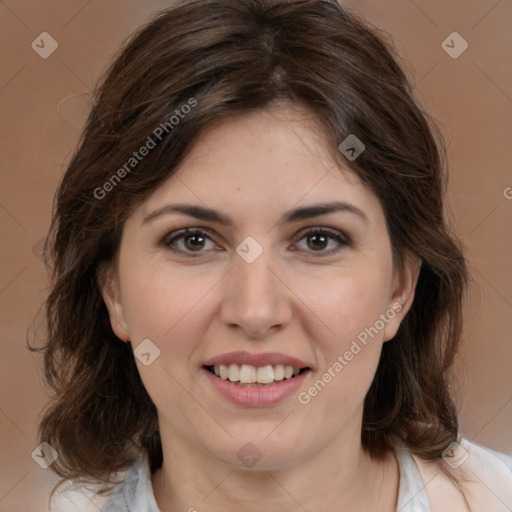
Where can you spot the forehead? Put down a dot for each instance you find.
(282, 138)
(262, 160)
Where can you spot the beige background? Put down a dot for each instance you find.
(42, 106)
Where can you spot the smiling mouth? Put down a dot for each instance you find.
(247, 375)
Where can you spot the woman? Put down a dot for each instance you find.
(256, 299)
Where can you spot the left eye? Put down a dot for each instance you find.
(318, 240)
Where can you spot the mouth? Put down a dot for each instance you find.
(247, 375)
(252, 379)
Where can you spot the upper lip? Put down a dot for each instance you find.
(261, 359)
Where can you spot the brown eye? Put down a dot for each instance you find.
(188, 241)
(318, 240)
(194, 242)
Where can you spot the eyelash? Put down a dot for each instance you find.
(171, 238)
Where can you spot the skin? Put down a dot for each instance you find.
(302, 296)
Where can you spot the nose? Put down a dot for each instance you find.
(256, 299)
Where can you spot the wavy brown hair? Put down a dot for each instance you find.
(226, 57)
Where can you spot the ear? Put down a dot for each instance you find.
(402, 295)
(109, 286)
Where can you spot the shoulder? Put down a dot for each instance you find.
(73, 495)
(484, 476)
(135, 492)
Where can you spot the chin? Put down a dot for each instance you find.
(253, 451)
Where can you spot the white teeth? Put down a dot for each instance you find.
(279, 372)
(265, 374)
(249, 374)
(234, 372)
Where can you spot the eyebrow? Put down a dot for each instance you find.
(297, 214)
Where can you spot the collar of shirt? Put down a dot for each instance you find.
(135, 494)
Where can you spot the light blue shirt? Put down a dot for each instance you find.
(135, 492)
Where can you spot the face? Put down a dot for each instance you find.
(276, 263)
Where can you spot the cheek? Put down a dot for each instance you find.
(348, 339)
(349, 347)
(170, 308)
(347, 304)
(173, 310)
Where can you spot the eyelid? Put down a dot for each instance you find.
(340, 237)
(173, 235)
(335, 233)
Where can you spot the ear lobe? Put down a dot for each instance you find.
(402, 296)
(109, 286)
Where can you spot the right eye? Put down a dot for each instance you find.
(188, 241)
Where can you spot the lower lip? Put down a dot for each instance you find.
(256, 396)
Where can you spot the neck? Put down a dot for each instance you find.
(340, 477)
